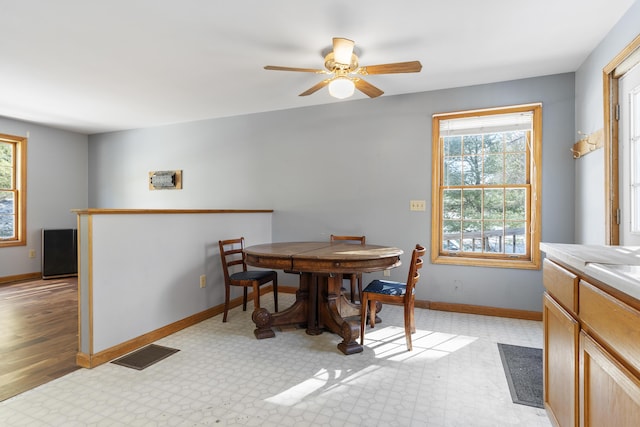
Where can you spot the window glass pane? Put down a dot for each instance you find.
(494, 169)
(451, 238)
(451, 245)
(635, 112)
(451, 229)
(634, 161)
(6, 165)
(515, 238)
(493, 204)
(472, 204)
(516, 169)
(452, 145)
(515, 141)
(493, 143)
(472, 236)
(452, 204)
(493, 236)
(7, 217)
(6, 178)
(472, 144)
(452, 170)
(472, 173)
(635, 212)
(515, 204)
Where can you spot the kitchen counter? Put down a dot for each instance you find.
(617, 266)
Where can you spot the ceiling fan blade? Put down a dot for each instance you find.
(315, 88)
(304, 70)
(367, 88)
(342, 50)
(397, 67)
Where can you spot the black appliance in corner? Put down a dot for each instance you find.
(59, 253)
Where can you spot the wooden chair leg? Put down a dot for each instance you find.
(407, 325)
(352, 279)
(256, 296)
(275, 293)
(372, 313)
(244, 300)
(413, 317)
(363, 316)
(227, 291)
(360, 286)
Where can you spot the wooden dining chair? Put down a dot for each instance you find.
(395, 293)
(354, 278)
(233, 258)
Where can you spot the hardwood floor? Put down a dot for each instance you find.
(38, 333)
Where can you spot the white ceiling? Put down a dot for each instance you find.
(93, 66)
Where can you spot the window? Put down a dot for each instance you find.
(486, 187)
(13, 151)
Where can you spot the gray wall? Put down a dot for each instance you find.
(589, 179)
(346, 168)
(56, 183)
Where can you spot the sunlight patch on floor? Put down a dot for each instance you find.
(389, 343)
(296, 394)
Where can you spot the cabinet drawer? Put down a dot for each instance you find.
(615, 323)
(561, 284)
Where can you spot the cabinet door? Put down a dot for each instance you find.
(560, 362)
(609, 393)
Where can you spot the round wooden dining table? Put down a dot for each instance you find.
(320, 303)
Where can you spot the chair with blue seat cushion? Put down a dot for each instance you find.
(233, 258)
(395, 293)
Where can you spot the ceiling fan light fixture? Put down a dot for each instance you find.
(342, 50)
(341, 87)
(342, 64)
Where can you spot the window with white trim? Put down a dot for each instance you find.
(486, 187)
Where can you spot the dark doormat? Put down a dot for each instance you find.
(145, 357)
(523, 369)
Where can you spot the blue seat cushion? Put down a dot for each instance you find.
(251, 275)
(386, 287)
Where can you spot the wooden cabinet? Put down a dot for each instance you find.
(561, 332)
(561, 335)
(591, 351)
(609, 393)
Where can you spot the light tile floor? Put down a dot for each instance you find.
(223, 376)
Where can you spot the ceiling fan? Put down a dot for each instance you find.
(342, 65)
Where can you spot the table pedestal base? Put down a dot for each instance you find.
(296, 315)
(320, 305)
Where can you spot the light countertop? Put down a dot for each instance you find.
(617, 266)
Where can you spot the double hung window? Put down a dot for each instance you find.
(486, 187)
(13, 151)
